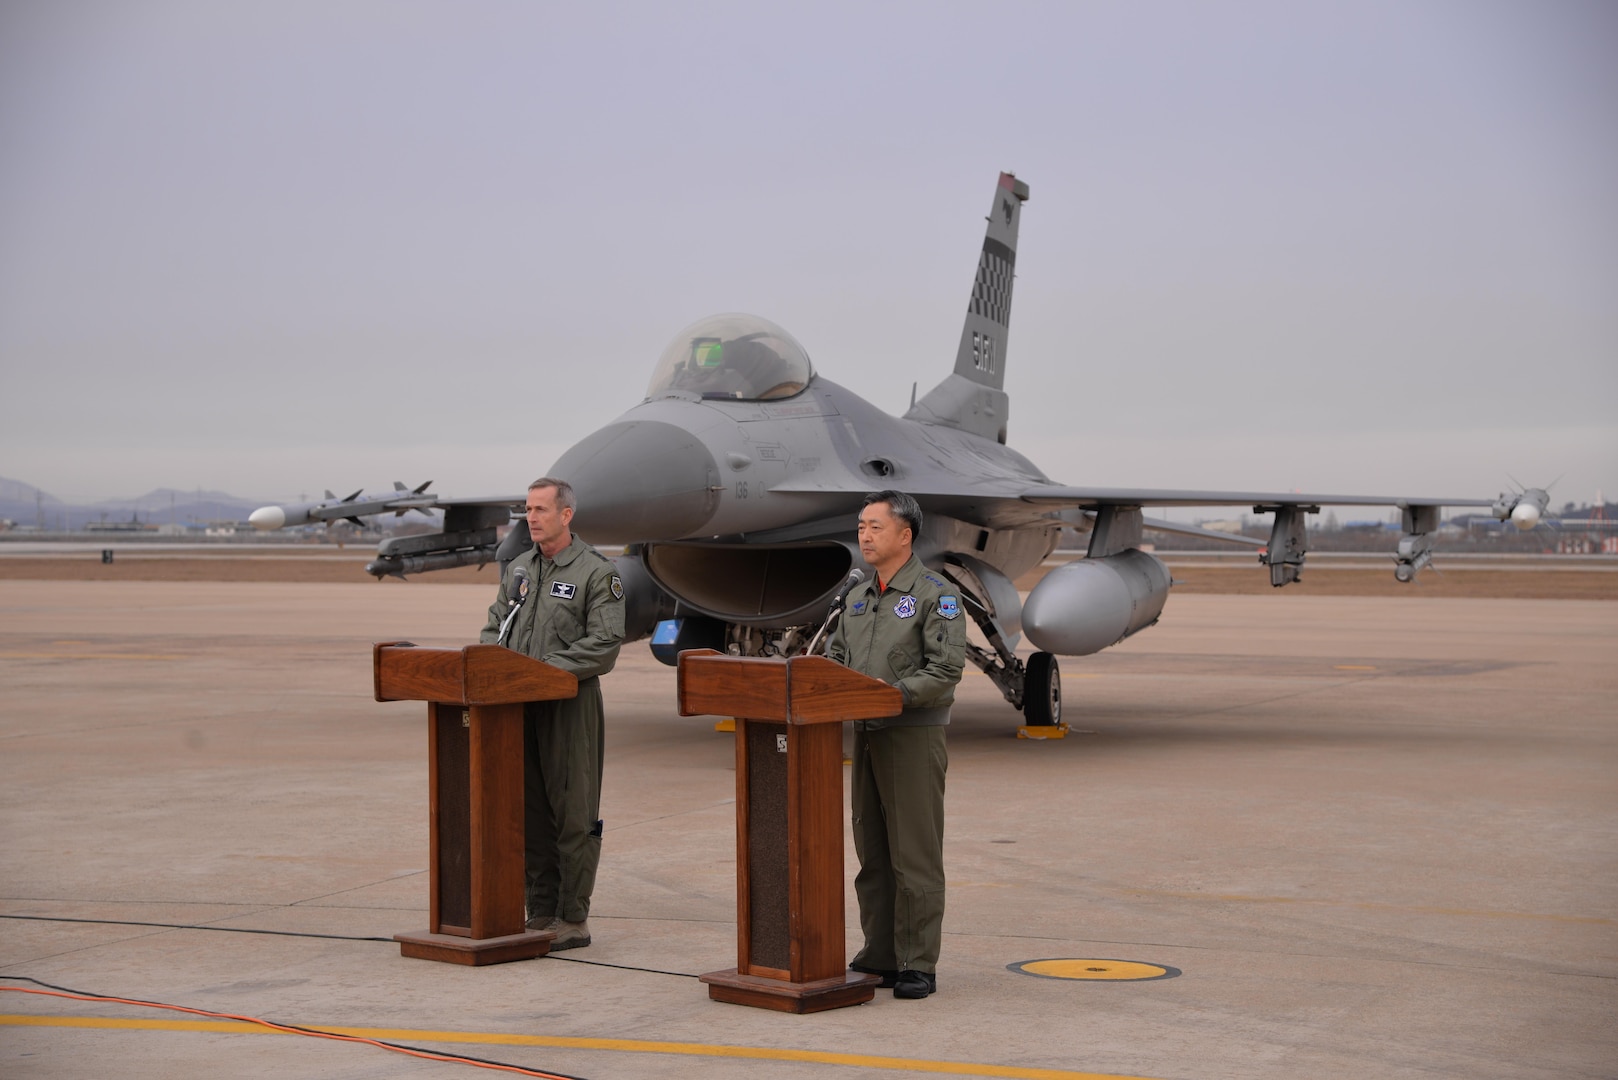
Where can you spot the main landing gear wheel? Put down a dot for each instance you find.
(1042, 691)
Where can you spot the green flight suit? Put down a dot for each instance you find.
(911, 634)
(573, 619)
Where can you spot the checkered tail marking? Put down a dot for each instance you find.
(991, 292)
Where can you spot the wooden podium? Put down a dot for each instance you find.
(474, 701)
(791, 954)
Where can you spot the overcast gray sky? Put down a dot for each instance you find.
(271, 248)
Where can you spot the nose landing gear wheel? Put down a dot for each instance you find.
(1042, 691)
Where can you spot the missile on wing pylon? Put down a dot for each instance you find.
(400, 565)
(1523, 509)
(351, 508)
(472, 538)
(1415, 555)
(270, 518)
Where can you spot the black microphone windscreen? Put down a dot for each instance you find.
(517, 588)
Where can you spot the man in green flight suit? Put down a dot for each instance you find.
(561, 602)
(905, 628)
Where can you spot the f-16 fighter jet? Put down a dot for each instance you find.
(736, 483)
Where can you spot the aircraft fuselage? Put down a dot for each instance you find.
(683, 468)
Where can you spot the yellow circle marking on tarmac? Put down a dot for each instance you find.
(1117, 970)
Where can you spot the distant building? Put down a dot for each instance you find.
(118, 527)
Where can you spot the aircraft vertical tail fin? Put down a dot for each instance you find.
(972, 397)
(982, 353)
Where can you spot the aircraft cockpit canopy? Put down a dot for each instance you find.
(733, 357)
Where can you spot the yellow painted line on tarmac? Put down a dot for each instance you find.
(631, 1046)
(1363, 905)
(88, 656)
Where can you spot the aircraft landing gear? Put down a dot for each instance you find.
(1035, 688)
(1042, 691)
(1042, 699)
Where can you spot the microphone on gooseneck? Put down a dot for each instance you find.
(855, 576)
(516, 593)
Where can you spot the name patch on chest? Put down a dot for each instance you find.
(906, 606)
(562, 589)
(858, 608)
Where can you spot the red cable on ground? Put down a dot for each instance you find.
(291, 1029)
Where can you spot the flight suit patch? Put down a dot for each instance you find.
(563, 589)
(906, 607)
(948, 607)
(617, 587)
(859, 607)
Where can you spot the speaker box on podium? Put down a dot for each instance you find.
(791, 953)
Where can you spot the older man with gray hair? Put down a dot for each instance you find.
(565, 606)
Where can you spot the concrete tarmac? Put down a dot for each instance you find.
(1374, 838)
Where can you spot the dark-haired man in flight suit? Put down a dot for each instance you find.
(905, 628)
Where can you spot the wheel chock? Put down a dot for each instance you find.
(1042, 731)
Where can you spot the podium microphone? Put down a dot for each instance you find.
(855, 576)
(516, 593)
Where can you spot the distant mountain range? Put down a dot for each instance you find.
(28, 505)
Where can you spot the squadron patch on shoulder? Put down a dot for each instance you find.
(563, 589)
(948, 607)
(906, 606)
(617, 587)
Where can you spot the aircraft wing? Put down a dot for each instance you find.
(1003, 503)
(1093, 498)
(1118, 518)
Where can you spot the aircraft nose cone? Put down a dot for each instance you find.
(640, 480)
